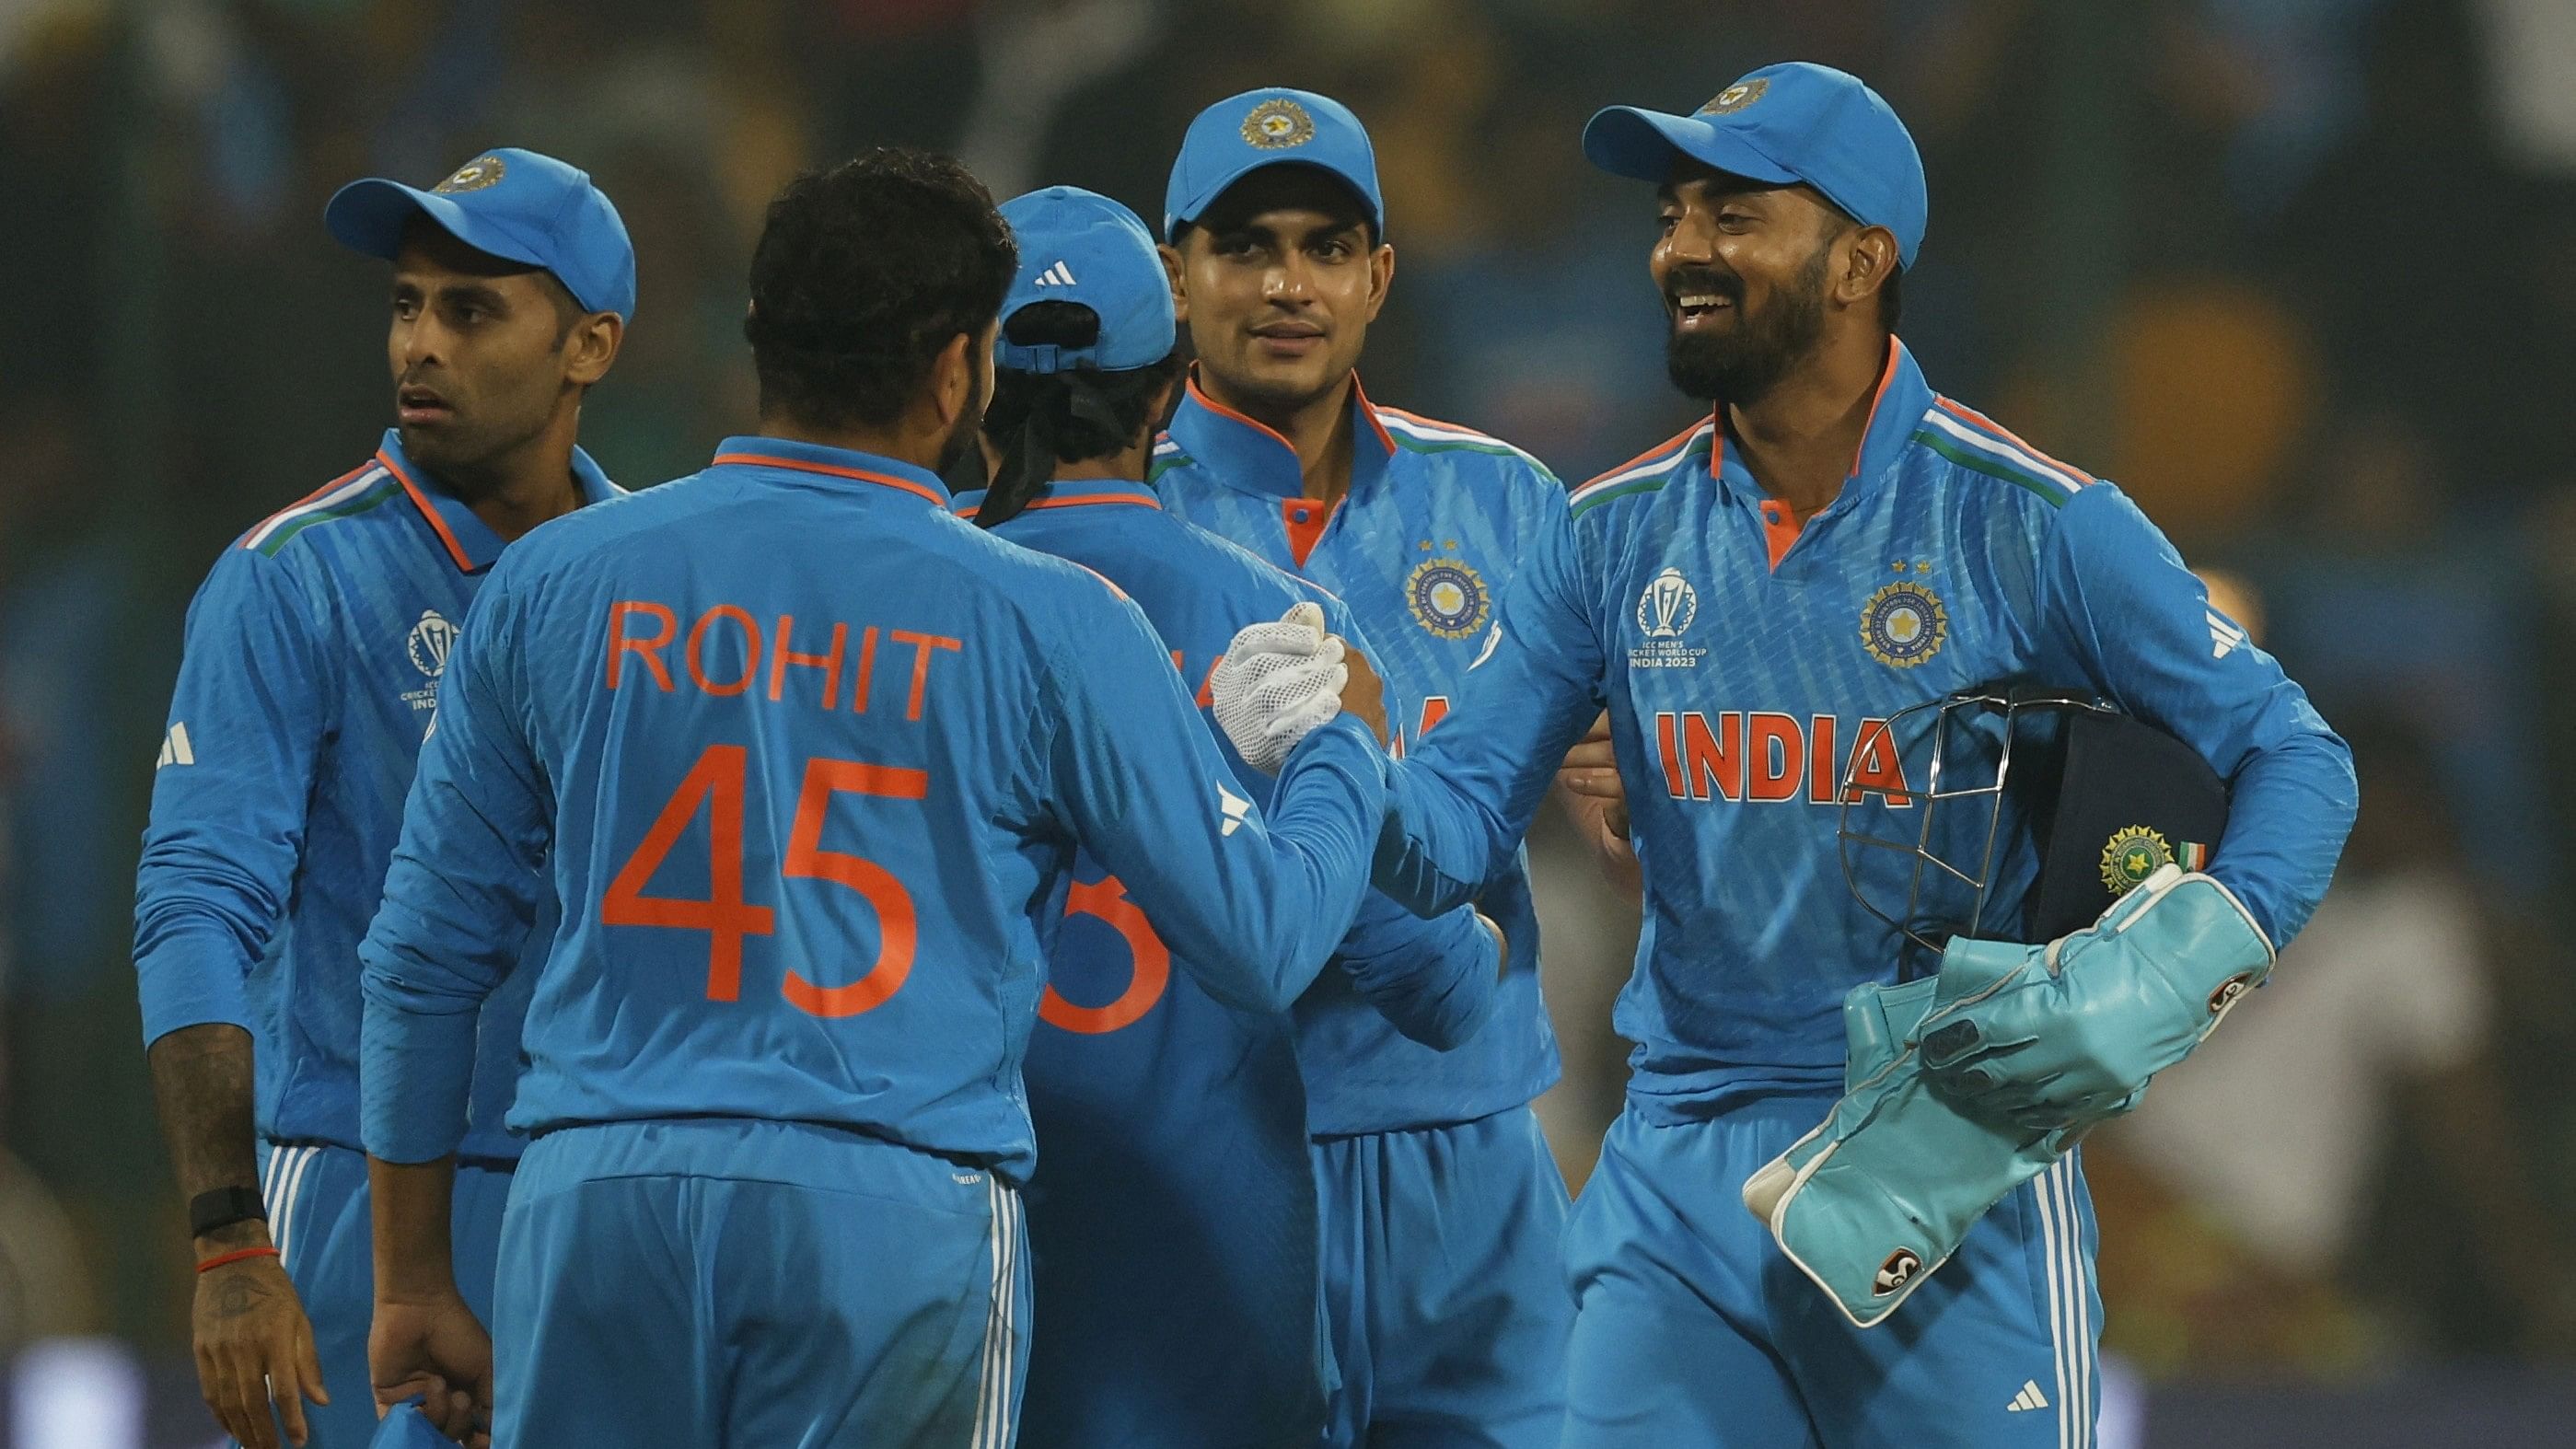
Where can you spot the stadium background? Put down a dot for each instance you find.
(2300, 273)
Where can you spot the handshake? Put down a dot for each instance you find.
(1280, 682)
(1962, 1087)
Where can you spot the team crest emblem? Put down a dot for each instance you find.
(430, 641)
(1277, 124)
(474, 175)
(2131, 855)
(1667, 606)
(1896, 1272)
(1736, 97)
(1904, 624)
(1448, 598)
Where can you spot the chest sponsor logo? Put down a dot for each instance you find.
(1768, 756)
(1904, 624)
(1447, 597)
(428, 644)
(1664, 615)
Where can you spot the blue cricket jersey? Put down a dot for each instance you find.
(315, 653)
(808, 758)
(1159, 1109)
(1421, 548)
(1748, 664)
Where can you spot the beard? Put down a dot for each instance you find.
(961, 438)
(1746, 362)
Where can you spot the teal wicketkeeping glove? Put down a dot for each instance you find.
(1886, 1188)
(2067, 1034)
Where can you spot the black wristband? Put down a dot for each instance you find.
(222, 1208)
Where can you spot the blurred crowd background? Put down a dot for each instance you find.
(2301, 274)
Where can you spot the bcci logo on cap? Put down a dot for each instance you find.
(1277, 124)
(1735, 97)
(1667, 606)
(430, 641)
(474, 175)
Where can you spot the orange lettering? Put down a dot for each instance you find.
(1107, 900)
(922, 645)
(806, 859)
(620, 642)
(867, 670)
(1673, 782)
(1875, 766)
(751, 650)
(1779, 756)
(1714, 757)
(786, 654)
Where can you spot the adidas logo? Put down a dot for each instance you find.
(1235, 808)
(2028, 1399)
(174, 748)
(1058, 275)
(2223, 636)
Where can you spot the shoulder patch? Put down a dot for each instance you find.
(1647, 472)
(1417, 434)
(346, 496)
(1979, 444)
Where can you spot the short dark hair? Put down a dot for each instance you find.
(864, 272)
(1040, 419)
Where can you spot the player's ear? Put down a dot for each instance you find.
(1381, 278)
(948, 384)
(1871, 263)
(1172, 270)
(591, 347)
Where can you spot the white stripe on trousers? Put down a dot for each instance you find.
(2058, 1320)
(281, 1218)
(993, 1386)
(2070, 1310)
(2079, 1269)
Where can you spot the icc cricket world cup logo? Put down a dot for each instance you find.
(1668, 605)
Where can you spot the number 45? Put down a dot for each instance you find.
(715, 783)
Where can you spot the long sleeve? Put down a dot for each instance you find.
(459, 899)
(247, 722)
(1460, 802)
(1254, 899)
(2139, 628)
(1433, 979)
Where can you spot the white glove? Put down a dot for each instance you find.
(1277, 684)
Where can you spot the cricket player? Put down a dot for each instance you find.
(315, 654)
(1172, 1221)
(1751, 599)
(1442, 1206)
(807, 759)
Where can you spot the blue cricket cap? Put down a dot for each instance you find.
(1079, 246)
(1271, 127)
(1780, 125)
(513, 204)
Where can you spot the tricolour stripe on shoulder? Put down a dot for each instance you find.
(1422, 435)
(352, 492)
(1958, 409)
(1647, 470)
(1165, 459)
(1981, 452)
